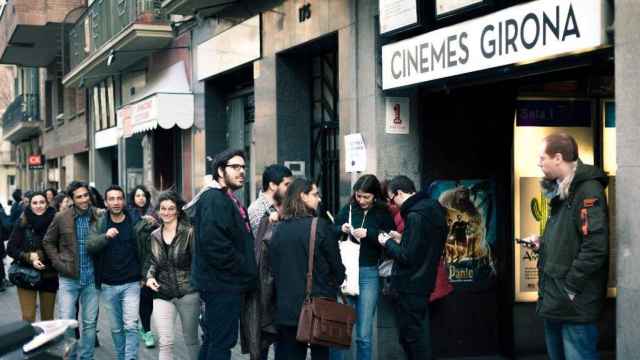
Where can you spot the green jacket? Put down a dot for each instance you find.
(574, 251)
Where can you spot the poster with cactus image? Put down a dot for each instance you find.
(534, 212)
(470, 246)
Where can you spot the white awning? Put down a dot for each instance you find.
(166, 101)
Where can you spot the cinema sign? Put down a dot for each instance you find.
(520, 34)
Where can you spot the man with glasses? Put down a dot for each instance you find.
(224, 266)
(416, 254)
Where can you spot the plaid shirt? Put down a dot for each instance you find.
(258, 209)
(82, 233)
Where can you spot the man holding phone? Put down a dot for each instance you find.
(574, 250)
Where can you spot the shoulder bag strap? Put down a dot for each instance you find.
(312, 251)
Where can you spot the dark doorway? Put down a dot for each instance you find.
(167, 173)
(468, 135)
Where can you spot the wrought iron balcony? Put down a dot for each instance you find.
(21, 120)
(113, 25)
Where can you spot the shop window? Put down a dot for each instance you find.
(103, 105)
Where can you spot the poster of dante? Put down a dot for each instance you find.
(471, 241)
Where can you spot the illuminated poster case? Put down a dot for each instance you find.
(536, 118)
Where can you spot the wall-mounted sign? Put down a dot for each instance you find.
(234, 47)
(397, 115)
(35, 162)
(445, 7)
(355, 154)
(397, 14)
(297, 167)
(524, 33)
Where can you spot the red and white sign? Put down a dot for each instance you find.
(35, 161)
(140, 116)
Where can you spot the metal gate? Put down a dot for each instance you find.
(325, 153)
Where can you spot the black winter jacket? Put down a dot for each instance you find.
(170, 264)
(289, 254)
(574, 251)
(27, 238)
(223, 256)
(418, 254)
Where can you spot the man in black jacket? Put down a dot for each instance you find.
(224, 265)
(416, 254)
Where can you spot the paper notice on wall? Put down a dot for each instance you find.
(356, 153)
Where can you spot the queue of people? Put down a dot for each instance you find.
(233, 272)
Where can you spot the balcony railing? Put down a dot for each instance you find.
(105, 19)
(25, 108)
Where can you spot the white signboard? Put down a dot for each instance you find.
(397, 115)
(446, 6)
(356, 154)
(234, 47)
(396, 14)
(525, 33)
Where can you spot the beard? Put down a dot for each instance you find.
(232, 183)
(278, 198)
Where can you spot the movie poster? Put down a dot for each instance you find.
(471, 241)
(534, 210)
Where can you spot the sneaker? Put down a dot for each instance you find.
(148, 339)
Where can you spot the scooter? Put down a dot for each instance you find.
(38, 341)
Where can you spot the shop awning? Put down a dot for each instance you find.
(167, 101)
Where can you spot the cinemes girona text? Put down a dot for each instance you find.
(497, 39)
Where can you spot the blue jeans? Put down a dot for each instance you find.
(220, 323)
(571, 341)
(122, 303)
(69, 291)
(366, 304)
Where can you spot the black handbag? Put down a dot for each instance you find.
(23, 276)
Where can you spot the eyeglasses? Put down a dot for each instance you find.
(236, 167)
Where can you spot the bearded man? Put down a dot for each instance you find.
(224, 266)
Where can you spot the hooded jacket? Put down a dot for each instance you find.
(223, 254)
(574, 250)
(417, 255)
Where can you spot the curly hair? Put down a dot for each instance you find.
(175, 198)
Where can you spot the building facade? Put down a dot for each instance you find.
(45, 122)
(454, 94)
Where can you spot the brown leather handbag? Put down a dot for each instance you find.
(323, 321)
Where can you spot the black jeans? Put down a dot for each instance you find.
(412, 319)
(220, 323)
(291, 349)
(146, 308)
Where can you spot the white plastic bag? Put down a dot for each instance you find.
(350, 253)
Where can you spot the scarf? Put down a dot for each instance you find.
(39, 223)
